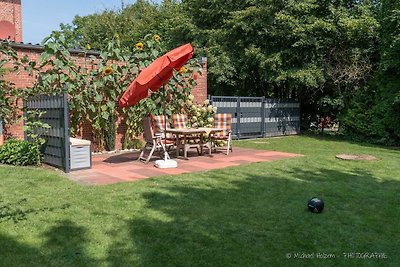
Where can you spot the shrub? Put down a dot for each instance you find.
(20, 153)
(200, 115)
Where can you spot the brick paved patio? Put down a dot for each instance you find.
(124, 167)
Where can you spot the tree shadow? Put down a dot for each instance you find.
(64, 245)
(244, 220)
(123, 157)
(256, 222)
(15, 253)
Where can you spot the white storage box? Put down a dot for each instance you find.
(80, 154)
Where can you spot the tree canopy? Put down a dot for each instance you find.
(325, 53)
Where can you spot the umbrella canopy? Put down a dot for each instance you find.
(156, 74)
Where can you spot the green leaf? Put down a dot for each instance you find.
(111, 105)
(44, 41)
(155, 53)
(92, 107)
(98, 98)
(25, 59)
(104, 55)
(105, 115)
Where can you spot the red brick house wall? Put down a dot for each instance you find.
(200, 91)
(11, 20)
(22, 79)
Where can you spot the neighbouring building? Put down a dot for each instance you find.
(11, 20)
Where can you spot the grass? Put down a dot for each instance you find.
(252, 215)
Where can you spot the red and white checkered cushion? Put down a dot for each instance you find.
(179, 121)
(158, 123)
(224, 121)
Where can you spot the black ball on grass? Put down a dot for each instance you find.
(315, 205)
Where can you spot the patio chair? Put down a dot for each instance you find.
(154, 142)
(158, 123)
(179, 122)
(224, 121)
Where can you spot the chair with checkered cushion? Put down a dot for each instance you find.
(179, 121)
(158, 124)
(223, 121)
(154, 141)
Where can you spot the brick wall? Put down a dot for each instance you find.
(10, 11)
(23, 80)
(200, 91)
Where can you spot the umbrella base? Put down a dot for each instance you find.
(166, 163)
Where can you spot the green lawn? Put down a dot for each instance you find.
(252, 215)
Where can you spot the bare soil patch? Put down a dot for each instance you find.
(355, 157)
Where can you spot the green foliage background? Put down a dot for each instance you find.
(339, 58)
(374, 112)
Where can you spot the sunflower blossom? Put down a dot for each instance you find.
(183, 69)
(157, 38)
(107, 71)
(139, 46)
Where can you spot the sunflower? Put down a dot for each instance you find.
(157, 38)
(139, 46)
(183, 69)
(107, 71)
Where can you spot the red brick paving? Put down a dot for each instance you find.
(124, 167)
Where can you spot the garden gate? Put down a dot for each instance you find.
(56, 149)
(259, 116)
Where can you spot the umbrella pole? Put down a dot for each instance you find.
(167, 162)
(166, 155)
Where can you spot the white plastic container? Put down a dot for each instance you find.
(80, 154)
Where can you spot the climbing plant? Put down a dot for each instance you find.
(8, 93)
(95, 80)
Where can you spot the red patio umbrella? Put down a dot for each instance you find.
(153, 77)
(156, 74)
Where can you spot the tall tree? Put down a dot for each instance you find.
(129, 23)
(308, 49)
(322, 52)
(374, 114)
(387, 101)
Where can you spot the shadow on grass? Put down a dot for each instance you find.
(257, 222)
(224, 221)
(64, 246)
